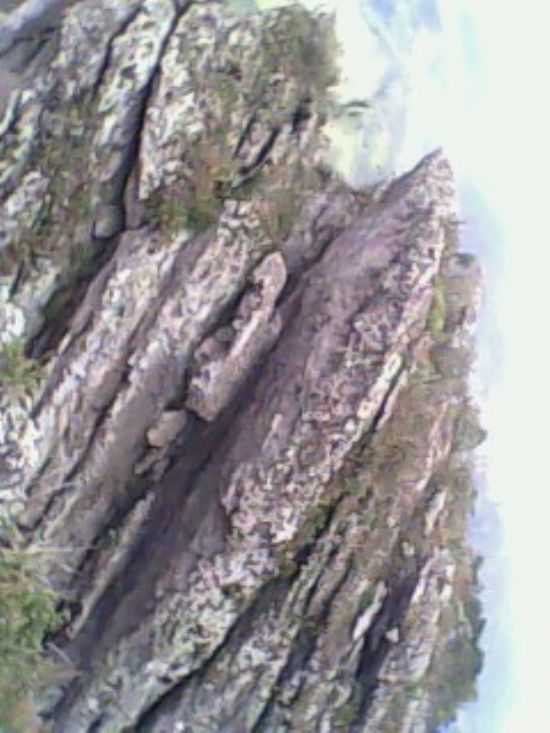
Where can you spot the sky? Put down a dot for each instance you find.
(479, 87)
(492, 114)
(500, 148)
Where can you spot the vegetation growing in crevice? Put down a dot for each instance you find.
(457, 660)
(27, 614)
(303, 47)
(347, 713)
(195, 202)
(297, 49)
(438, 311)
(280, 197)
(64, 158)
(61, 158)
(277, 214)
(469, 433)
(18, 373)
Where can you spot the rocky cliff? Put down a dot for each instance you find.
(235, 425)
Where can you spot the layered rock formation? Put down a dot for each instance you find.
(243, 462)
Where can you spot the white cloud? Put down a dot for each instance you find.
(500, 141)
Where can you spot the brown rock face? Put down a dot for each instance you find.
(244, 446)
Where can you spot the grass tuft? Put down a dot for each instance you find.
(27, 613)
(17, 372)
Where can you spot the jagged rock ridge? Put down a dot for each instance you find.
(251, 438)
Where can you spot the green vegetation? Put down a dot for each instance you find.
(62, 158)
(27, 614)
(469, 434)
(312, 527)
(280, 193)
(303, 47)
(457, 659)
(452, 362)
(17, 372)
(454, 671)
(346, 713)
(167, 211)
(197, 202)
(55, 307)
(277, 214)
(442, 370)
(298, 66)
(394, 715)
(438, 311)
(288, 566)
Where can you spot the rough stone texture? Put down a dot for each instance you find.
(238, 442)
(254, 330)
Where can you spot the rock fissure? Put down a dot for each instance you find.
(119, 31)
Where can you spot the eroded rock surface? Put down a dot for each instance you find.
(250, 438)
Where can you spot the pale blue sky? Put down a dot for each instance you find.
(495, 126)
(500, 146)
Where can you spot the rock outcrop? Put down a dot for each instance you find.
(243, 469)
